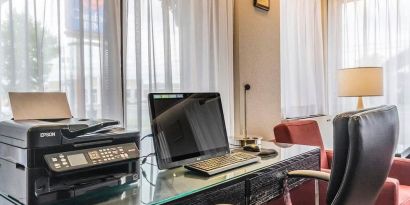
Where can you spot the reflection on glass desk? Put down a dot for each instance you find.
(163, 186)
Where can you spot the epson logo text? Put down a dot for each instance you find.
(47, 134)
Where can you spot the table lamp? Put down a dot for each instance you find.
(360, 82)
(247, 139)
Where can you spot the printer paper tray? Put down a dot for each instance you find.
(81, 187)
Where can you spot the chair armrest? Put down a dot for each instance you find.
(389, 193)
(329, 155)
(310, 174)
(400, 170)
(325, 170)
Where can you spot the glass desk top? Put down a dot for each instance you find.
(161, 186)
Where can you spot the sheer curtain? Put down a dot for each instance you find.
(177, 46)
(302, 65)
(372, 33)
(74, 46)
(63, 45)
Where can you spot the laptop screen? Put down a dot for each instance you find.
(187, 127)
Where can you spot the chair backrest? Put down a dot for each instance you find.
(304, 132)
(340, 150)
(364, 144)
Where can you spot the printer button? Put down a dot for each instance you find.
(61, 156)
(63, 160)
(94, 155)
(54, 159)
(64, 163)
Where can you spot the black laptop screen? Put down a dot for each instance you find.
(187, 127)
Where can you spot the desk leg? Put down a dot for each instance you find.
(317, 192)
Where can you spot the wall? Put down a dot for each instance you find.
(257, 62)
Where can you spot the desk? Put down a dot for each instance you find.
(252, 184)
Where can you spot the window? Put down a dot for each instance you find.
(372, 33)
(178, 46)
(76, 46)
(65, 46)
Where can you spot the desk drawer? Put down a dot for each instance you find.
(267, 184)
(231, 194)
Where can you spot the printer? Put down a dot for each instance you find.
(44, 161)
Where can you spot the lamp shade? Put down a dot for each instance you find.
(361, 81)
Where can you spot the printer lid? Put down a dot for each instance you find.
(39, 105)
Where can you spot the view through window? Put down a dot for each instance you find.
(372, 33)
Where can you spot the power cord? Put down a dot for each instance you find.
(151, 164)
(146, 136)
(144, 158)
(144, 174)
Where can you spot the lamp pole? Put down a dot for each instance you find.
(246, 88)
(360, 104)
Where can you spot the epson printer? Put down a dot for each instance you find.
(47, 160)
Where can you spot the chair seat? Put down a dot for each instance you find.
(404, 195)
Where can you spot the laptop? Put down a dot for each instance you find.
(189, 130)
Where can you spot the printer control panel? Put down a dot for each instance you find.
(73, 160)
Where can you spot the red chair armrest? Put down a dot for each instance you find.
(389, 193)
(329, 155)
(400, 170)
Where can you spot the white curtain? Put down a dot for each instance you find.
(74, 46)
(63, 45)
(177, 46)
(372, 33)
(302, 65)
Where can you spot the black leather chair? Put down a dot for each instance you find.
(364, 144)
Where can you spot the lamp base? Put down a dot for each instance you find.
(360, 105)
(242, 141)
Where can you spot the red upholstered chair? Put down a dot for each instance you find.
(396, 190)
(305, 132)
